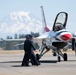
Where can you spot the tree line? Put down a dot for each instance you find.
(18, 36)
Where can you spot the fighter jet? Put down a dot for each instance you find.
(56, 39)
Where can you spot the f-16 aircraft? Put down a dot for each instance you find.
(56, 39)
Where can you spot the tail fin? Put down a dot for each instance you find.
(46, 29)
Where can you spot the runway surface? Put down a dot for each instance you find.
(10, 64)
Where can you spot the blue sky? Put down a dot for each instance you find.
(51, 8)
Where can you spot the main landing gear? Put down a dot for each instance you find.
(64, 56)
(60, 45)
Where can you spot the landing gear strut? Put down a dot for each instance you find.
(64, 56)
(59, 59)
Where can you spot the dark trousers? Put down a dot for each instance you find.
(30, 56)
(26, 58)
(33, 59)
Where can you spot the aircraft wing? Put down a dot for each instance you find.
(43, 36)
(22, 39)
(19, 44)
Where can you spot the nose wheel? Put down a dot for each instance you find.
(65, 57)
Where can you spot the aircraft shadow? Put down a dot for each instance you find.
(48, 61)
(41, 61)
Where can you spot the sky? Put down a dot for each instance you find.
(51, 8)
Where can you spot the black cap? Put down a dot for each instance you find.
(27, 37)
(31, 36)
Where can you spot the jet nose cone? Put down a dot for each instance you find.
(66, 37)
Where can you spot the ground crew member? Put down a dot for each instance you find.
(29, 54)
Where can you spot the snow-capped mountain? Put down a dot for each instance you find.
(18, 23)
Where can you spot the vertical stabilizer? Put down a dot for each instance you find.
(46, 29)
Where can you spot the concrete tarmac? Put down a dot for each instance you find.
(10, 64)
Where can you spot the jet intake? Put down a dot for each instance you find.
(59, 44)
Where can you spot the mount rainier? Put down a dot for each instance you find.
(19, 23)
